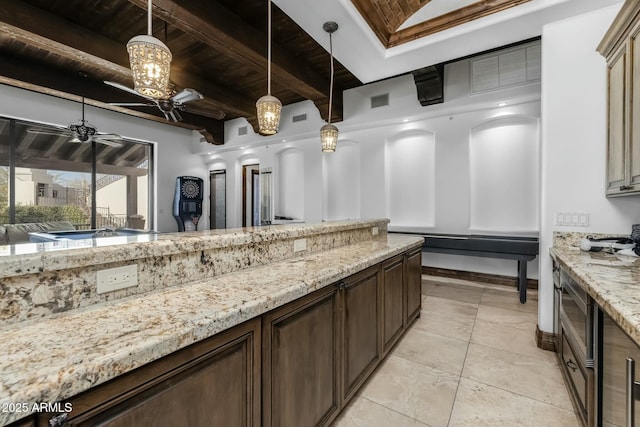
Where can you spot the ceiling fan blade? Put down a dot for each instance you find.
(46, 131)
(204, 111)
(175, 115)
(127, 89)
(186, 95)
(108, 142)
(110, 136)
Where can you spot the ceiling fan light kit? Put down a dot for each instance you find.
(328, 132)
(150, 61)
(268, 107)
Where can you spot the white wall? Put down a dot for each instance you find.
(403, 161)
(574, 140)
(173, 146)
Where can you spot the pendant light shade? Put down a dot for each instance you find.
(329, 138)
(150, 61)
(328, 132)
(268, 107)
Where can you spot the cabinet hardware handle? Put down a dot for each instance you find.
(572, 365)
(626, 187)
(342, 284)
(58, 420)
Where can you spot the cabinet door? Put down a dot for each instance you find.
(301, 362)
(634, 137)
(393, 303)
(616, 347)
(361, 315)
(212, 383)
(414, 284)
(617, 121)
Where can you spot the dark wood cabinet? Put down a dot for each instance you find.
(414, 284)
(361, 308)
(393, 301)
(214, 382)
(301, 348)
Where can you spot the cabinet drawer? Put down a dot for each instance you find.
(578, 379)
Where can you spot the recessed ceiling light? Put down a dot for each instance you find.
(284, 140)
(501, 104)
(405, 120)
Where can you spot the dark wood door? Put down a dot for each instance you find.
(362, 320)
(414, 284)
(301, 362)
(197, 386)
(393, 301)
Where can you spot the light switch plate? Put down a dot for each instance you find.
(374, 231)
(113, 279)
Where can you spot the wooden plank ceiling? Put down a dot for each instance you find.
(386, 17)
(219, 48)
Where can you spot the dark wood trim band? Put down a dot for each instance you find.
(545, 340)
(494, 279)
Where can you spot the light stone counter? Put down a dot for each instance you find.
(55, 357)
(613, 282)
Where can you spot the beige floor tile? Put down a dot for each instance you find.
(456, 292)
(530, 377)
(510, 299)
(449, 318)
(502, 316)
(482, 405)
(429, 349)
(362, 412)
(412, 389)
(503, 337)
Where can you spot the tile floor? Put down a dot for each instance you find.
(469, 360)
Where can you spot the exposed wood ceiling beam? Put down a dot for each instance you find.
(60, 141)
(34, 27)
(214, 125)
(213, 24)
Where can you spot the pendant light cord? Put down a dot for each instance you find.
(268, 49)
(149, 32)
(331, 84)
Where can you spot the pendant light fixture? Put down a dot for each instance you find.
(328, 132)
(268, 106)
(150, 61)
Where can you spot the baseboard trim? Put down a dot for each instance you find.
(494, 279)
(545, 340)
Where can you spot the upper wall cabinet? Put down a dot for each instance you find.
(621, 48)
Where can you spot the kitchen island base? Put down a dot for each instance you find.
(295, 365)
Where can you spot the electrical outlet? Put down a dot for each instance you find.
(299, 245)
(112, 279)
(374, 231)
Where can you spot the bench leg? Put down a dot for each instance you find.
(522, 280)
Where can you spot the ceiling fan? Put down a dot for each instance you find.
(81, 132)
(170, 106)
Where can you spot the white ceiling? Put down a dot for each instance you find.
(357, 48)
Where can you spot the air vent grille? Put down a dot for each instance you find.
(299, 118)
(242, 130)
(380, 100)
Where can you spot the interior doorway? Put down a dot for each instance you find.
(218, 199)
(250, 195)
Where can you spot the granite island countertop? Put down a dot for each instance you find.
(612, 281)
(53, 358)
